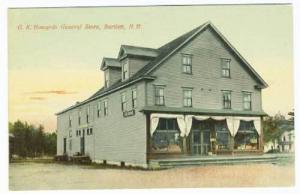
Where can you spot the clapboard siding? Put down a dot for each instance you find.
(136, 64)
(114, 75)
(61, 133)
(114, 137)
(206, 50)
(119, 138)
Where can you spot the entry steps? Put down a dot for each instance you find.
(219, 160)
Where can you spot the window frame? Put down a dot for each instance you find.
(250, 101)
(105, 107)
(98, 109)
(184, 98)
(106, 79)
(70, 120)
(160, 87)
(134, 99)
(125, 74)
(124, 101)
(224, 100)
(227, 69)
(185, 66)
(79, 117)
(88, 114)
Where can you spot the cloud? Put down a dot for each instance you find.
(58, 92)
(37, 98)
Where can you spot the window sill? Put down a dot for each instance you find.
(225, 77)
(187, 73)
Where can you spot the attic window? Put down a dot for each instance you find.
(187, 63)
(125, 70)
(106, 81)
(225, 65)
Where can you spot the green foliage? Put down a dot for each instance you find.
(273, 127)
(30, 141)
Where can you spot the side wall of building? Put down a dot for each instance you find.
(115, 138)
(122, 138)
(206, 81)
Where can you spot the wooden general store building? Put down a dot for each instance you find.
(194, 96)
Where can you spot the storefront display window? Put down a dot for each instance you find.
(166, 137)
(222, 135)
(246, 138)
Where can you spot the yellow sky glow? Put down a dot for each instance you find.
(50, 70)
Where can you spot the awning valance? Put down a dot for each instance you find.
(155, 120)
(185, 122)
(233, 123)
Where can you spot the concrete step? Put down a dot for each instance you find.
(170, 163)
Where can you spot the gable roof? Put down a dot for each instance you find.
(137, 51)
(110, 62)
(162, 54)
(170, 48)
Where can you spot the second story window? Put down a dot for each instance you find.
(227, 99)
(225, 65)
(70, 121)
(87, 115)
(79, 118)
(247, 101)
(187, 97)
(105, 111)
(186, 63)
(123, 101)
(106, 79)
(125, 70)
(134, 98)
(159, 95)
(98, 109)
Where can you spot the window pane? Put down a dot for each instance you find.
(166, 137)
(161, 92)
(161, 100)
(246, 137)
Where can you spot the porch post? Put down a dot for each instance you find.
(184, 146)
(261, 137)
(148, 137)
(231, 144)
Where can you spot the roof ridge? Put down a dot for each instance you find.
(126, 45)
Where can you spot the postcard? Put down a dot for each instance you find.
(138, 97)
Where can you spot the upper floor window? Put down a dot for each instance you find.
(227, 99)
(159, 95)
(106, 79)
(98, 109)
(187, 63)
(134, 98)
(225, 65)
(70, 121)
(89, 131)
(187, 97)
(125, 70)
(123, 101)
(79, 117)
(105, 103)
(87, 115)
(247, 101)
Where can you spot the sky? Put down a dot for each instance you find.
(54, 61)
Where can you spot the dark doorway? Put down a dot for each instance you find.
(82, 143)
(200, 138)
(65, 145)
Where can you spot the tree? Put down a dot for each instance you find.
(29, 140)
(273, 127)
